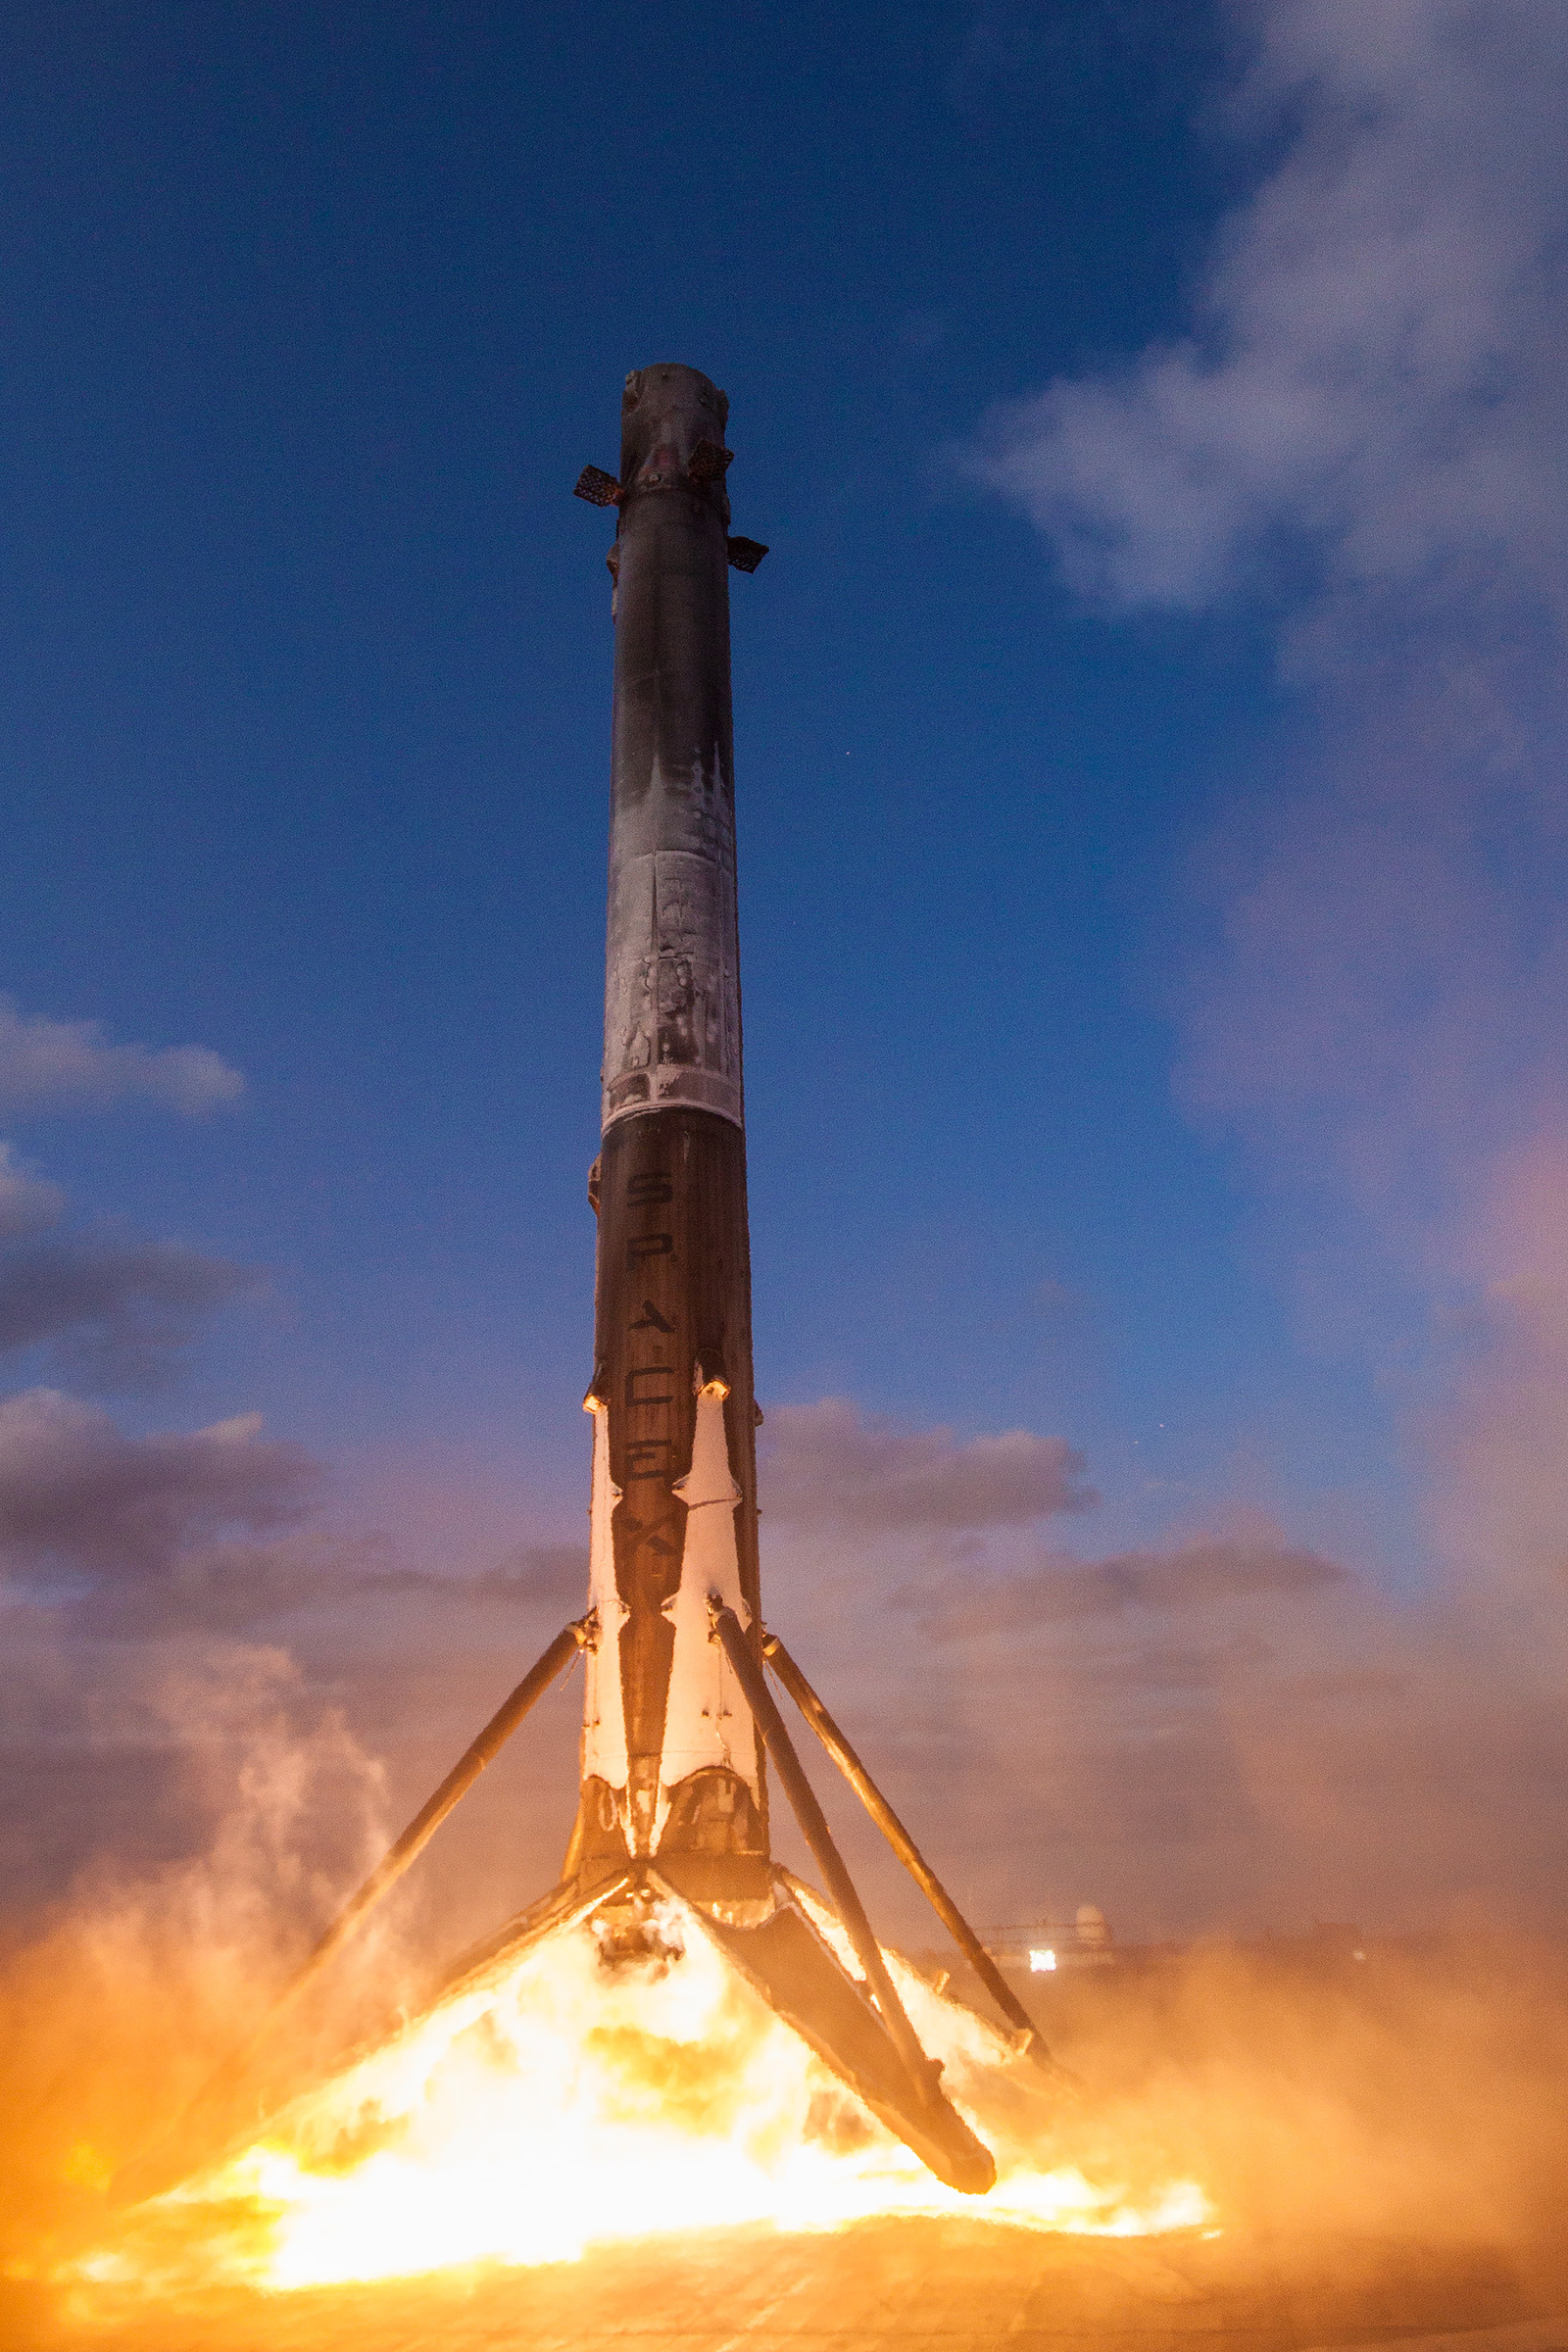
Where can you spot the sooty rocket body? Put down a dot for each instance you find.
(671, 1761)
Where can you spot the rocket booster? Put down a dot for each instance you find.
(677, 1712)
(671, 1761)
(676, 1708)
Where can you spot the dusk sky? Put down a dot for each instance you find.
(1154, 942)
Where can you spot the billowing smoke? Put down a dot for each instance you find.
(118, 1999)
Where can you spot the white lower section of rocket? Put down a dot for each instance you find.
(603, 1710)
(706, 1720)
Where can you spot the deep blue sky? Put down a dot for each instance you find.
(311, 316)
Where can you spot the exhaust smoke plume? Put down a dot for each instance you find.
(116, 2004)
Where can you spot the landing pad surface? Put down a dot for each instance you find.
(915, 2285)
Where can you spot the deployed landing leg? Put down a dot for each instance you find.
(861, 2029)
(1026, 2033)
(935, 2131)
(809, 1813)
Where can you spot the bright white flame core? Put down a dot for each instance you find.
(563, 2104)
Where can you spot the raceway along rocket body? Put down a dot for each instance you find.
(671, 1761)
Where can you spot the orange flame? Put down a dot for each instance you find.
(563, 2104)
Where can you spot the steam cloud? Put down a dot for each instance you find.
(125, 2001)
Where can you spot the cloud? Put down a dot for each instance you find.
(48, 1066)
(1363, 434)
(554, 1572)
(323, 1577)
(77, 1495)
(1375, 369)
(1233, 1729)
(28, 1204)
(115, 1314)
(232, 1586)
(239, 1584)
(1366, 421)
(1057, 1589)
(829, 1465)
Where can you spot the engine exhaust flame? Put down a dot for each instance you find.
(577, 2099)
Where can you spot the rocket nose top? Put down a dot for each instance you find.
(668, 407)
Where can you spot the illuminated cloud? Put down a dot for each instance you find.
(77, 1495)
(29, 1202)
(1364, 431)
(48, 1066)
(1376, 364)
(552, 1572)
(831, 1465)
(115, 1314)
(1186, 1576)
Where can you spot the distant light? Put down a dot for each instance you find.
(1039, 1962)
(1359, 1955)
